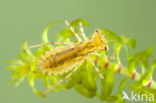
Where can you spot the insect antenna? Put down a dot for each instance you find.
(82, 31)
(72, 29)
(51, 43)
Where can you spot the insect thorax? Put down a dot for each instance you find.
(99, 40)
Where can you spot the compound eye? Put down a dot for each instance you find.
(106, 48)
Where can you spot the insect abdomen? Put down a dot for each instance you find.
(60, 60)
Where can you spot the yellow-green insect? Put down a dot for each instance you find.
(62, 59)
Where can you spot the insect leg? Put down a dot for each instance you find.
(72, 29)
(51, 43)
(82, 31)
(108, 57)
(62, 80)
(100, 74)
(97, 54)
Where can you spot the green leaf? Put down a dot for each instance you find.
(64, 35)
(25, 45)
(132, 43)
(135, 85)
(117, 49)
(145, 78)
(107, 84)
(122, 84)
(141, 58)
(131, 66)
(45, 32)
(14, 77)
(148, 91)
(72, 81)
(145, 54)
(89, 77)
(40, 52)
(18, 62)
(26, 55)
(111, 36)
(54, 80)
(31, 82)
(111, 98)
(11, 67)
(120, 99)
(84, 91)
(86, 80)
(39, 93)
(47, 82)
(19, 82)
(27, 51)
(152, 69)
(124, 39)
(75, 23)
(154, 64)
(22, 70)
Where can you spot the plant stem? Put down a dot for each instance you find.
(124, 71)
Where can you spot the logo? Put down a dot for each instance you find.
(137, 96)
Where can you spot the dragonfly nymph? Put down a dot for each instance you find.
(60, 60)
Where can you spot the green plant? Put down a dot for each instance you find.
(84, 80)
